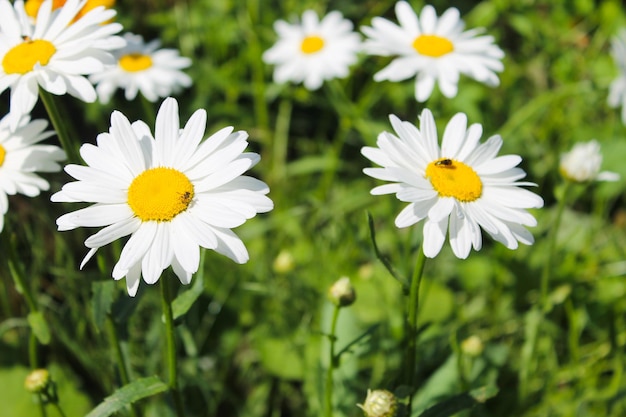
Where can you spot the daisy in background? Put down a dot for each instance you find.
(314, 50)
(582, 164)
(617, 90)
(433, 50)
(143, 67)
(458, 188)
(53, 53)
(21, 156)
(170, 192)
(32, 6)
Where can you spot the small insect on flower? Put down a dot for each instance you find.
(185, 197)
(444, 162)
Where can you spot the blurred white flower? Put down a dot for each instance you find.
(314, 50)
(32, 6)
(21, 157)
(459, 188)
(55, 53)
(171, 192)
(583, 162)
(433, 50)
(143, 67)
(617, 90)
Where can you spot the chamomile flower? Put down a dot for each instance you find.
(54, 53)
(314, 50)
(458, 188)
(21, 156)
(143, 67)
(582, 164)
(617, 90)
(32, 6)
(170, 192)
(432, 49)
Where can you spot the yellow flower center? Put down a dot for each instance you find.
(432, 45)
(32, 6)
(451, 178)
(22, 58)
(3, 153)
(312, 44)
(160, 194)
(135, 62)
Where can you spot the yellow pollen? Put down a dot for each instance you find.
(22, 58)
(160, 194)
(451, 178)
(312, 44)
(432, 45)
(135, 62)
(3, 154)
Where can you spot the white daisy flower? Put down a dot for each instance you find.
(32, 6)
(169, 192)
(54, 53)
(433, 49)
(582, 164)
(143, 67)
(313, 51)
(458, 189)
(21, 157)
(617, 89)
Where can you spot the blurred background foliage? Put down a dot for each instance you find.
(253, 343)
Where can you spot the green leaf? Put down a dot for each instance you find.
(102, 300)
(39, 326)
(128, 394)
(182, 303)
(453, 405)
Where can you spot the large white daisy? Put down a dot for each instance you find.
(433, 49)
(21, 157)
(457, 189)
(170, 192)
(583, 162)
(143, 67)
(54, 53)
(617, 90)
(314, 50)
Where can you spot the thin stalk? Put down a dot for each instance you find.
(122, 364)
(333, 362)
(147, 107)
(58, 119)
(59, 410)
(281, 141)
(546, 273)
(411, 349)
(166, 302)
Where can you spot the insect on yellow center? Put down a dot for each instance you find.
(135, 62)
(312, 44)
(432, 45)
(3, 154)
(160, 194)
(451, 178)
(22, 58)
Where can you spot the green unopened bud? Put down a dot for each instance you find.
(342, 293)
(37, 381)
(379, 403)
(472, 346)
(284, 262)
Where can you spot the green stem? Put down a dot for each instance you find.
(166, 302)
(122, 364)
(147, 107)
(33, 358)
(281, 141)
(59, 410)
(411, 350)
(63, 130)
(546, 274)
(42, 406)
(333, 362)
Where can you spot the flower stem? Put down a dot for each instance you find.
(546, 273)
(63, 129)
(332, 364)
(166, 302)
(119, 356)
(411, 348)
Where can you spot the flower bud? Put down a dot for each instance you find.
(284, 262)
(472, 346)
(37, 381)
(342, 293)
(379, 403)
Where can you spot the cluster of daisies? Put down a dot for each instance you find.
(173, 192)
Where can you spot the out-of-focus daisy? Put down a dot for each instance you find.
(143, 67)
(54, 53)
(433, 49)
(582, 164)
(32, 6)
(458, 189)
(170, 192)
(314, 50)
(617, 90)
(21, 157)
